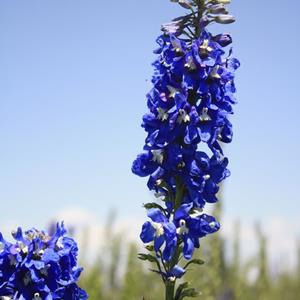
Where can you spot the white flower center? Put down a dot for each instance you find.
(22, 247)
(36, 297)
(176, 45)
(204, 48)
(212, 224)
(190, 63)
(162, 114)
(197, 212)
(206, 177)
(157, 156)
(214, 73)
(183, 116)
(172, 90)
(182, 229)
(204, 117)
(59, 244)
(159, 229)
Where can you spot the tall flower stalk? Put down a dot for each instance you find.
(187, 123)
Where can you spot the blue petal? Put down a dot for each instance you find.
(158, 242)
(169, 250)
(183, 211)
(156, 215)
(143, 165)
(191, 134)
(147, 234)
(188, 248)
(176, 271)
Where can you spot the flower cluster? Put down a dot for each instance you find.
(189, 108)
(190, 226)
(38, 266)
(192, 97)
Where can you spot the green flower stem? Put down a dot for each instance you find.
(200, 11)
(170, 288)
(170, 285)
(179, 194)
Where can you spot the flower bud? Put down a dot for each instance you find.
(172, 28)
(224, 19)
(218, 9)
(204, 21)
(223, 39)
(184, 3)
(220, 1)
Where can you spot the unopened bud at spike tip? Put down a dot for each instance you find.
(222, 1)
(184, 3)
(218, 9)
(224, 19)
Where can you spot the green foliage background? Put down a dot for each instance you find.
(217, 279)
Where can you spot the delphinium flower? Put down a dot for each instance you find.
(189, 105)
(37, 266)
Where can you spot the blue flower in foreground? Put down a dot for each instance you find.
(202, 176)
(191, 226)
(189, 110)
(38, 266)
(187, 224)
(161, 231)
(189, 104)
(200, 173)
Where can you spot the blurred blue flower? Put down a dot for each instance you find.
(39, 266)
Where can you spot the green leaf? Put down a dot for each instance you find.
(148, 257)
(195, 262)
(153, 205)
(150, 248)
(192, 293)
(180, 288)
(155, 271)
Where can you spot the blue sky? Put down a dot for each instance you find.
(73, 81)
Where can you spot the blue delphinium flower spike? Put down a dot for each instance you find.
(38, 266)
(190, 105)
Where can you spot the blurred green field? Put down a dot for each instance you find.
(115, 278)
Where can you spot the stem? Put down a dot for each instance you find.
(179, 193)
(170, 288)
(170, 285)
(201, 9)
